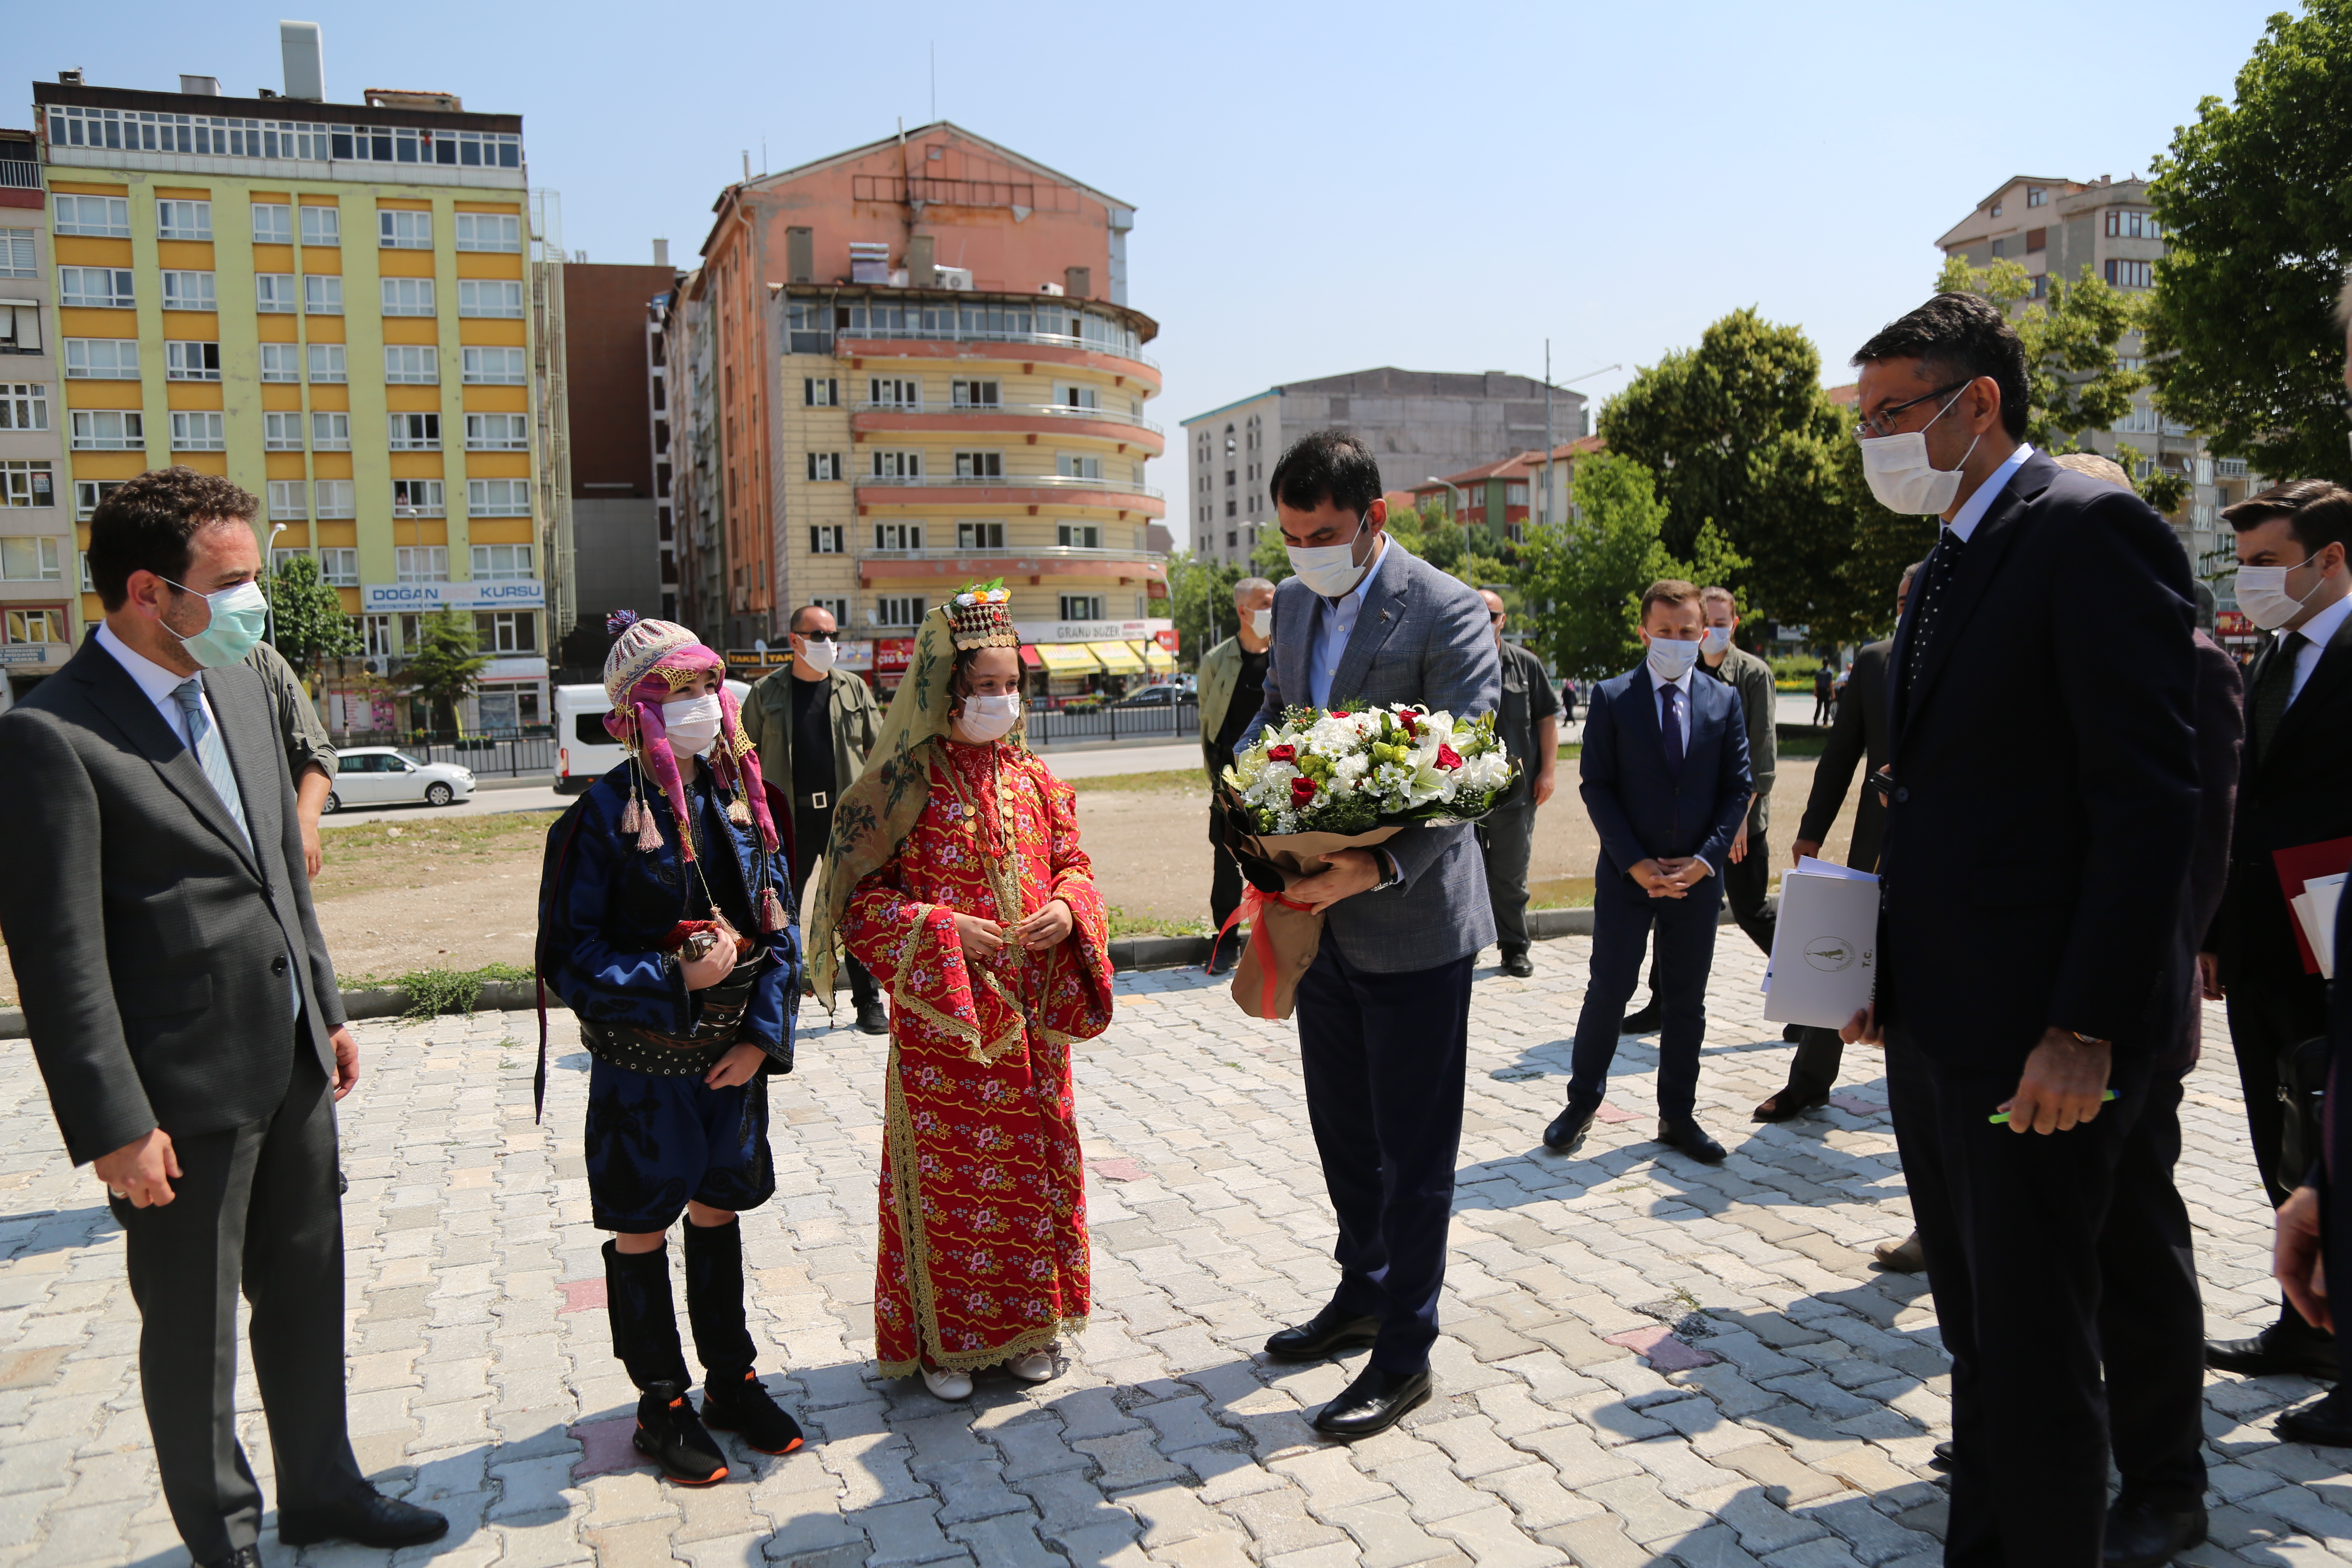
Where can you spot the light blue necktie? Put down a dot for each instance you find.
(206, 741)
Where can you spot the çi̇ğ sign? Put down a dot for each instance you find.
(413, 597)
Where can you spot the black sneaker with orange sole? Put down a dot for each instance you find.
(670, 1434)
(751, 1412)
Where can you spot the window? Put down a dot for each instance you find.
(333, 499)
(281, 362)
(499, 497)
(272, 224)
(897, 465)
(820, 392)
(189, 292)
(105, 215)
(497, 432)
(27, 484)
(1082, 606)
(505, 632)
(288, 498)
(88, 494)
(322, 226)
(1078, 465)
(898, 536)
(1078, 535)
(2035, 197)
(893, 610)
(979, 536)
(2001, 247)
(825, 539)
(413, 432)
(898, 392)
(407, 296)
(45, 624)
(2121, 225)
(421, 563)
(16, 253)
(278, 558)
(339, 567)
(417, 363)
(2138, 421)
(1073, 395)
(980, 464)
(321, 296)
(838, 608)
(2129, 273)
(330, 432)
(493, 367)
(502, 563)
(273, 293)
(20, 326)
(2038, 286)
(380, 644)
(184, 220)
(2230, 468)
(281, 433)
(24, 406)
(976, 395)
(403, 230)
(2036, 240)
(489, 297)
(327, 362)
(190, 361)
(823, 466)
(194, 430)
(488, 231)
(108, 430)
(1996, 209)
(103, 288)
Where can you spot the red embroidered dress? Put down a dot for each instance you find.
(983, 1237)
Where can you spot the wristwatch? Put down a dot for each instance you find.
(2087, 1039)
(1391, 877)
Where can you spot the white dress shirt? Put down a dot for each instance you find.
(1335, 622)
(156, 682)
(1964, 521)
(2317, 632)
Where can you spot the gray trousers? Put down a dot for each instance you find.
(1508, 839)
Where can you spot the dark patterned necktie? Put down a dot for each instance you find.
(1670, 731)
(2272, 691)
(1942, 566)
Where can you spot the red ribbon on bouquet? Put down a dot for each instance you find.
(1254, 899)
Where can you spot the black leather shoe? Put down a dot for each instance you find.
(871, 1019)
(1942, 1458)
(243, 1557)
(1565, 1133)
(1686, 1136)
(1327, 1330)
(670, 1434)
(2326, 1422)
(2141, 1535)
(1644, 1022)
(1516, 965)
(1225, 951)
(1789, 1103)
(750, 1411)
(1375, 1402)
(365, 1518)
(2279, 1348)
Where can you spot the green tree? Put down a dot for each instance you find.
(1200, 601)
(446, 667)
(307, 624)
(2257, 213)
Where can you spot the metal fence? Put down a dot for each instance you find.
(1060, 727)
(486, 757)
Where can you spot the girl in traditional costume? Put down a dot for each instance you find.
(662, 927)
(954, 874)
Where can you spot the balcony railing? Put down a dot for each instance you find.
(820, 340)
(1012, 551)
(1008, 481)
(1040, 410)
(18, 174)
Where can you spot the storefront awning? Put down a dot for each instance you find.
(1156, 660)
(1068, 657)
(1029, 660)
(1117, 658)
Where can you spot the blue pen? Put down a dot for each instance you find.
(2000, 1118)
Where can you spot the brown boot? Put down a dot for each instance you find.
(1904, 1256)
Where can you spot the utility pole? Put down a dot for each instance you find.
(1548, 439)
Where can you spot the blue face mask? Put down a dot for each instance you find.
(238, 617)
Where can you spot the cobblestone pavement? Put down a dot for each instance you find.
(1646, 1360)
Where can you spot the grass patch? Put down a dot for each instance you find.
(1123, 924)
(434, 992)
(1188, 781)
(414, 854)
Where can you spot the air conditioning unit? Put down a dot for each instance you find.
(953, 277)
(1049, 288)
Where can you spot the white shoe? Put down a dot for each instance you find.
(1035, 1367)
(949, 1385)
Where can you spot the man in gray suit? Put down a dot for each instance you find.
(1384, 1012)
(184, 1013)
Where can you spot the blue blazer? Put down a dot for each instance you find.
(1641, 810)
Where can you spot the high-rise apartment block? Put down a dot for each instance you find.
(39, 608)
(620, 439)
(1419, 423)
(336, 306)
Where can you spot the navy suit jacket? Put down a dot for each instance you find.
(1641, 810)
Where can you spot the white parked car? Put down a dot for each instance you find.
(382, 775)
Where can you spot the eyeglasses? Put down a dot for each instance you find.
(1882, 424)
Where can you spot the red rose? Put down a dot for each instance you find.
(1302, 790)
(1338, 714)
(1411, 726)
(1447, 757)
(1281, 754)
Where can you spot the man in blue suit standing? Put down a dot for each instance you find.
(1665, 778)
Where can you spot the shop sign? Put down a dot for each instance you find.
(893, 655)
(1096, 631)
(419, 597)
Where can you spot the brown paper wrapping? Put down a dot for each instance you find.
(1285, 936)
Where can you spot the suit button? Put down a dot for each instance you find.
(278, 964)
(1901, 794)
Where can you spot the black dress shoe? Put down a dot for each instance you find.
(365, 1518)
(1686, 1136)
(243, 1557)
(1225, 951)
(1515, 963)
(1791, 1103)
(1565, 1133)
(871, 1019)
(1942, 1458)
(2326, 1422)
(2279, 1348)
(1327, 1330)
(2141, 1535)
(1375, 1402)
(1644, 1022)
(671, 1434)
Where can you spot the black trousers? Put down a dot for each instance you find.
(2050, 1256)
(812, 830)
(1622, 920)
(1384, 1056)
(256, 1204)
(2271, 1013)
(1226, 882)
(1746, 884)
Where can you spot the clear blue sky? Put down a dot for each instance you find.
(1435, 186)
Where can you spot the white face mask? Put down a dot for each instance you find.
(1262, 622)
(2262, 593)
(692, 722)
(1670, 660)
(1900, 476)
(1714, 640)
(1331, 570)
(818, 656)
(987, 718)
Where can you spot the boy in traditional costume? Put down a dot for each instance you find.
(954, 875)
(662, 927)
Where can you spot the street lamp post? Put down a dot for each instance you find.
(269, 594)
(1459, 507)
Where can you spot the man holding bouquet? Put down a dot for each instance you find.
(1383, 1013)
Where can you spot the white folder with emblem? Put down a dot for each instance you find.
(1824, 961)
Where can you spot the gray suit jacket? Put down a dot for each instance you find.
(1421, 636)
(150, 943)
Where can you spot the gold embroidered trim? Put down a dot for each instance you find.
(1028, 1340)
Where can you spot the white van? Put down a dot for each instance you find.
(584, 753)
